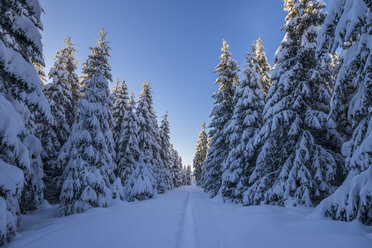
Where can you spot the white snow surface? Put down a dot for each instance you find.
(11, 177)
(187, 218)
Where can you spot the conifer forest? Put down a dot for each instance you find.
(283, 160)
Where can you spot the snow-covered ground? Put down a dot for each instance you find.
(187, 218)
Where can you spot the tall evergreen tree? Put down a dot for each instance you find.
(62, 94)
(87, 156)
(242, 130)
(71, 65)
(183, 176)
(200, 154)
(14, 159)
(222, 111)
(164, 150)
(148, 138)
(188, 175)
(172, 155)
(128, 153)
(119, 110)
(348, 26)
(297, 164)
(114, 89)
(176, 171)
(265, 68)
(21, 99)
(99, 57)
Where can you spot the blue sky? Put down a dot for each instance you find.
(173, 44)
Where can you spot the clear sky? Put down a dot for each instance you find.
(174, 44)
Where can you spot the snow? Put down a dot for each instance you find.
(3, 216)
(11, 122)
(11, 178)
(23, 24)
(13, 61)
(350, 200)
(11, 184)
(11, 125)
(186, 217)
(349, 14)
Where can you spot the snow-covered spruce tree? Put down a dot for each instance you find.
(265, 68)
(14, 158)
(99, 57)
(148, 140)
(128, 153)
(348, 26)
(298, 163)
(21, 187)
(200, 154)
(114, 89)
(86, 158)
(20, 48)
(113, 94)
(242, 130)
(222, 111)
(141, 183)
(164, 133)
(176, 171)
(172, 155)
(71, 64)
(188, 175)
(184, 176)
(120, 107)
(62, 93)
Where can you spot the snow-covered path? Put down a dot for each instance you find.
(187, 218)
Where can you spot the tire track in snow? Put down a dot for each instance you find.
(187, 234)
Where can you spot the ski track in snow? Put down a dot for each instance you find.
(211, 229)
(187, 235)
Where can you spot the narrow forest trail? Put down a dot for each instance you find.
(187, 218)
(187, 234)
